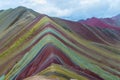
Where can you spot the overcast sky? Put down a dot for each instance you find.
(69, 9)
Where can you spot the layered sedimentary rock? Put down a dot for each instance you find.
(36, 44)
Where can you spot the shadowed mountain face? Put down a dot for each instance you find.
(35, 44)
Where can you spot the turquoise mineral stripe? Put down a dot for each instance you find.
(76, 58)
(67, 41)
(28, 57)
(2, 77)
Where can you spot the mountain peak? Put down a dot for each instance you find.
(19, 7)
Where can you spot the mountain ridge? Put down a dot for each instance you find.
(36, 44)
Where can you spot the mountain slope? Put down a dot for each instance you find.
(36, 44)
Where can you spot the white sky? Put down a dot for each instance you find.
(69, 9)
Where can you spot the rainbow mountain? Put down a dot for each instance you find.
(36, 44)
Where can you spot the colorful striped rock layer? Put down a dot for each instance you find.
(33, 44)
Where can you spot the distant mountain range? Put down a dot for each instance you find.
(103, 22)
(36, 44)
